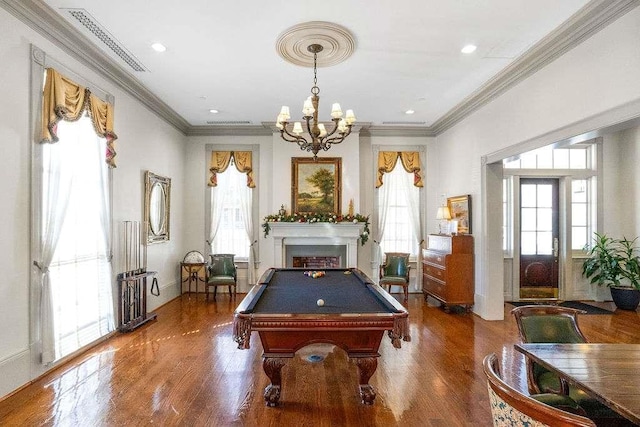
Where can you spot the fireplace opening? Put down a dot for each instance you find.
(316, 256)
(316, 262)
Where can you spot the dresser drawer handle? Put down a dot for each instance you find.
(439, 259)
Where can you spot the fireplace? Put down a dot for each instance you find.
(327, 240)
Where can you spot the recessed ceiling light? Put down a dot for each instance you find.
(470, 48)
(212, 111)
(409, 112)
(158, 47)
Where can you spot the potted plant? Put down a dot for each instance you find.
(615, 263)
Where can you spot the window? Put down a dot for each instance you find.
(576, 164)
(580, 214)
(574, 157)
(232, 193)
(507, 227)
(399, 235)
(80, 271)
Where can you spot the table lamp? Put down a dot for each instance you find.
(443, 214)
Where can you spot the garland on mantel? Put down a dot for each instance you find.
(312, 218)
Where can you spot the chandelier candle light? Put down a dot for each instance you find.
(320, 138)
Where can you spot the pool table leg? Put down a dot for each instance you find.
(367, 366)
(272, 367)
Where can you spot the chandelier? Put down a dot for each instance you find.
(320, 139)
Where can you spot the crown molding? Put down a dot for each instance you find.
(593, 17)
(45, 21)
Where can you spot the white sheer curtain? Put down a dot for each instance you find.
(246, 210)
(412, 194)
(76, 298)
(382, 193)
(217, 202)
(56, 182)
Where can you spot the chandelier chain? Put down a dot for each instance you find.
(315, 89)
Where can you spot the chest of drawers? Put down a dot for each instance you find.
(447, 270)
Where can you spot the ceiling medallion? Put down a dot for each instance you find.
(337, 43)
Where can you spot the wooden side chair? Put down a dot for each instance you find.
(221, 272)
(556, 324)
(395, 272)
(509, 407)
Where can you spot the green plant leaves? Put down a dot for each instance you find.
(613, 262)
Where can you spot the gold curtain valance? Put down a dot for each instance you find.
(220, 161)
(63, 99)
(410, 162)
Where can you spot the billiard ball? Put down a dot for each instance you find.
(320, 302)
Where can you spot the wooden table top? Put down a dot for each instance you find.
(608, 372)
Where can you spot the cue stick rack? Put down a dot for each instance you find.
(132, 282)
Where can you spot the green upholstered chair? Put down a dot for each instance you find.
(555, 324)
(395, 272)
(221, 272)
(510, 407)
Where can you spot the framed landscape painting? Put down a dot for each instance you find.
(460, 208)
(316, 184)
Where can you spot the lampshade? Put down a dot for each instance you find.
(443, 213)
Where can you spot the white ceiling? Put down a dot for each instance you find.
(222, 55)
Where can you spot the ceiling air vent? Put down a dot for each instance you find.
(229, 122)
(404, 123)
(103, 35)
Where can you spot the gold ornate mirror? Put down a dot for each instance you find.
(157, 196)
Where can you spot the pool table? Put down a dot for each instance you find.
(283, 307)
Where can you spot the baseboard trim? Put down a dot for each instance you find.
(14, 371)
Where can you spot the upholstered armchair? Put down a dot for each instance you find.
(509, 407)
(395, 272)
(556, 324)
(221, 272)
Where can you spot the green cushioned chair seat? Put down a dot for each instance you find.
(222, 280)
(391, 280)
(558, 401)
(548, 381)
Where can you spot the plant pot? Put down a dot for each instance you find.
(625, 298)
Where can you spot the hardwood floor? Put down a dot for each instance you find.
(185, 369)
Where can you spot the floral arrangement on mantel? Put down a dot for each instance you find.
(312, 218)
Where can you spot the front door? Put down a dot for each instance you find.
(538, 238)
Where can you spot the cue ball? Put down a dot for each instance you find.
(320, 302)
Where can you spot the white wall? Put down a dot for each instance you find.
(629, 183)
(145, 142)
(593, 78)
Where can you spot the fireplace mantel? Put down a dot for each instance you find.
(317, 234)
